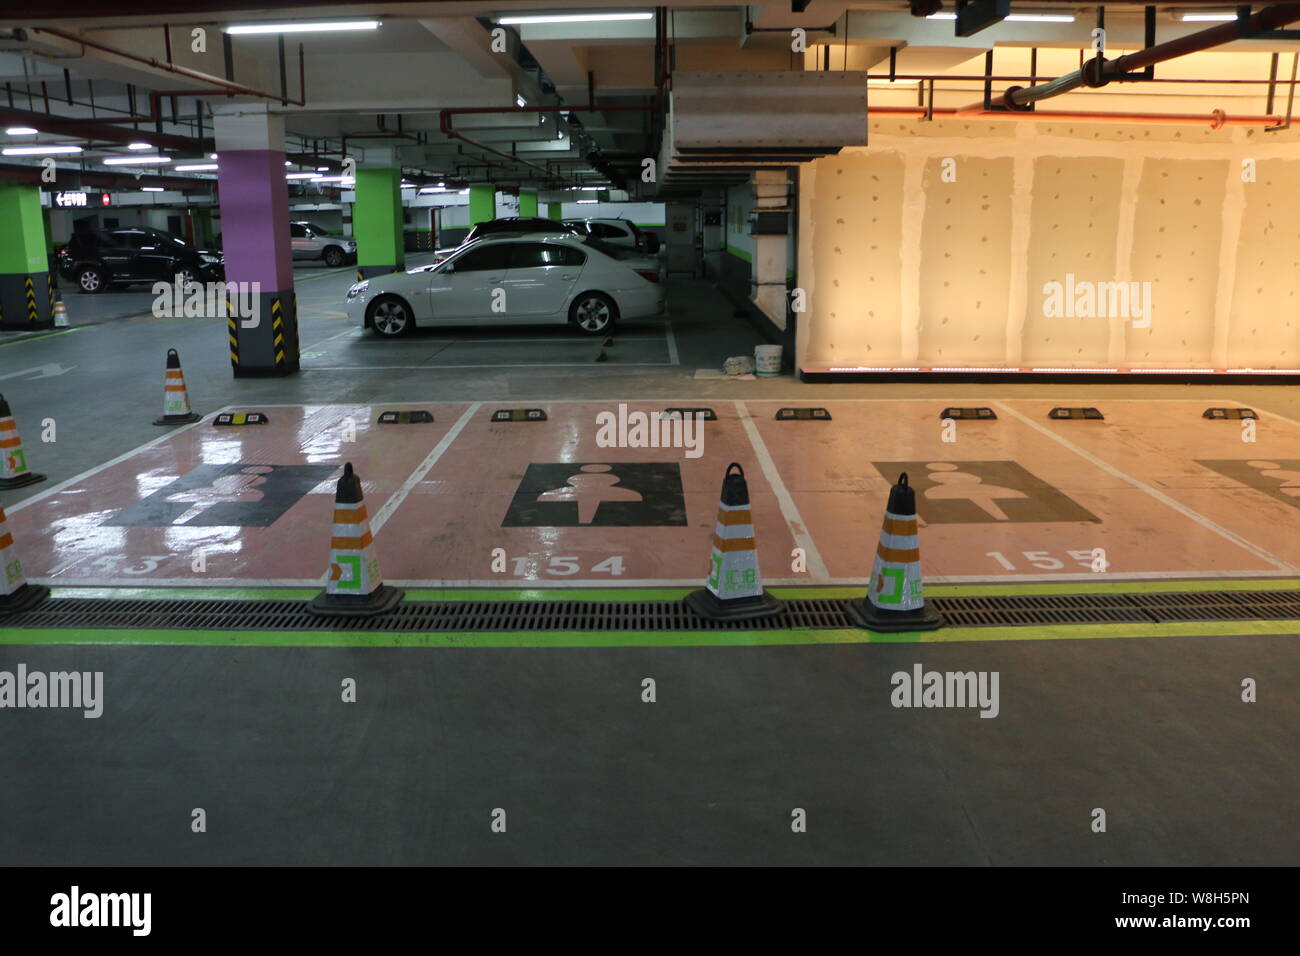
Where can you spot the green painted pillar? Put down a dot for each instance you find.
(26, 285)
(377, 222)
(203, 234)
(482, 203)
(527, 202)
(555, 210)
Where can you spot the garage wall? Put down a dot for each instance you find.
(935, 247)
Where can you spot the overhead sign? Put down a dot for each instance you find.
(70, 199)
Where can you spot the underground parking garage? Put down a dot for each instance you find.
(815, 434)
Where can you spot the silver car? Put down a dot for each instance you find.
(312, 242)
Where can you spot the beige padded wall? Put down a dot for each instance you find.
(894, 251)
(1265, 327)
(853, 226)
(964, 265)
(1176, 248)
(1074, 223)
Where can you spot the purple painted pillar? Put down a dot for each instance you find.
(254, 198)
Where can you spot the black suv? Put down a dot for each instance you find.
(95, 259)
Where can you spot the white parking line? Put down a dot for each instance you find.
(389, 506)
(799, 531)
(1155, 493)
(113, 461)
(672, 343)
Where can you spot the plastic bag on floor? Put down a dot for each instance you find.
(738, 365)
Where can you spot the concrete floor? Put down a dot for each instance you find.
(1151, 729)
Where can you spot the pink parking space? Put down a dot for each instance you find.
(1001, 499)
(1241, 475)
(247, 504)
(545, 503)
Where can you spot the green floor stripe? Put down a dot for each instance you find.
(182, 638)
(676, 594)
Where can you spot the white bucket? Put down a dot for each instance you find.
(767, 359)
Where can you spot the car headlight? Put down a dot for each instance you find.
(359, 288)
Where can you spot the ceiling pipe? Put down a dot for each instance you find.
(32, 174)
(224, 87)
(1099, 71)
(86, 129)
(445, 117)
(1215, 120)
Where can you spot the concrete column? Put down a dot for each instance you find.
(255, 240)
(555, 210)
(26, 285)
(528, 202)
(482, 203)
(771, 195)
(377, 214)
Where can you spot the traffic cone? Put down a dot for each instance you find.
(13, 461)
(354, 587)
(176, 401)
(733, 591)
(894, 601)
(60, 314)
(15, 593)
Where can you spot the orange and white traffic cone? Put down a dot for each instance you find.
(60, 314)
(13, 460)
(15, 593)
(734, 590)
(894, 601)
(354, 587)
(176, 401)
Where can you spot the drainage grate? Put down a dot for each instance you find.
(800, 613)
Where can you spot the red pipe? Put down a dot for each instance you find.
(227, 87)
(1215, 120)
(1093, 73)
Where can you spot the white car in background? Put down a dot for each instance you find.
(512, 280)
(617, 232)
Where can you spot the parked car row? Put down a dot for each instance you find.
(96, 259)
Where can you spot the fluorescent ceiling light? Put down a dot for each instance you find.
(337, 26)
(520, 101)
(585, 202)
(21, 131)
(434, 189)
(1206, 17)
(577, 18)
(38, 150)
(346, 181)
(152, 189)
(135, 160)
(299, 175)
(139, 146)
(196, 168)
(322, 169)
(463, 192)
(1017, 17)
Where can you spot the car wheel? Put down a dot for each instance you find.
(185, 276)
(391, 317)
(90, 280)
(593, 313)
(334, 257)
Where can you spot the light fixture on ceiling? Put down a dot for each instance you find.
(1207, 16)
(300, 175)
(21, 131)
(1017, 17)
(520, 101)
(139, 146)
(322, 169)
(586, 202)
(433, 189)
(335, 26)
(196, 168)
(575, 18)
(135, 160)
(152, 189)
(38, 150)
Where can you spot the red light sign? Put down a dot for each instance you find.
(105, 199)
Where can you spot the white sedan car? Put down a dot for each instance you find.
(526, 280)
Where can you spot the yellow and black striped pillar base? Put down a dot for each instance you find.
(25, 301)
(367, 272)
(269, 348)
